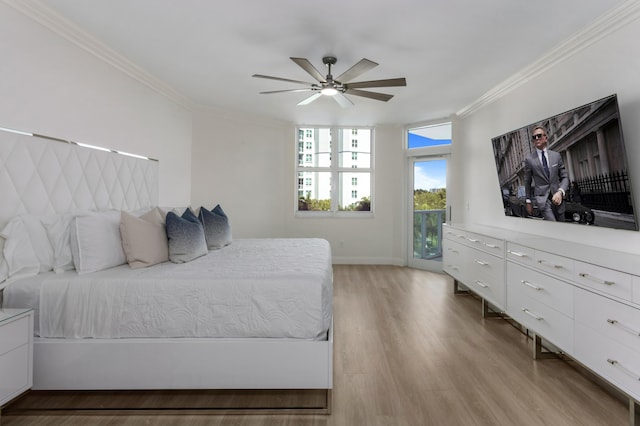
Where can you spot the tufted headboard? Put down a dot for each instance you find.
(41, 175)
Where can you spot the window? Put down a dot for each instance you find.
(430, 135)
(309, 145)
(338, 174)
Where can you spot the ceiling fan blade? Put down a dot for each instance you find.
(306, 65)
(391, 82)
(310, 99)
(361, 67)
(287, 90)
(342, 100)
(280, 79)
(366, 94)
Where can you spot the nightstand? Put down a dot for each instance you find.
(16, 353)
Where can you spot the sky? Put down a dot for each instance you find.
(430, 174)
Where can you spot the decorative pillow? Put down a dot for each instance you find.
(20, 259)
(144, 239)
(217, 230)
(58, 232)
(186, 237)
(35, 226)
(95, 242)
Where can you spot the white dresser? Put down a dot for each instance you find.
(16, 353)
(583, 300)
(476, 260)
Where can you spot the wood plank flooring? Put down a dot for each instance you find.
(410, 352)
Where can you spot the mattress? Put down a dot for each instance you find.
(267, 288)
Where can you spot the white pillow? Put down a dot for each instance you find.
(35, 226)
(95, 242)
(19, 254)
(4, 268)
(144, 239)
(58, 231)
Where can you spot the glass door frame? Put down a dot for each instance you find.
(413, 262)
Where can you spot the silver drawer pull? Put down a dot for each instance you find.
(544, 262)
(473, 240)
(624, 369)
(480, 262)
(460, 236)
(624, 327)
(515, 253)
(531, 314)
(481, 284)
(527, 283)
(490, 245)
(606, 282)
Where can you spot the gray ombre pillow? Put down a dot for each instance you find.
(217, 230)
(186, 237)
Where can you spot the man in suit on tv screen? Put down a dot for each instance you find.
(546, 169)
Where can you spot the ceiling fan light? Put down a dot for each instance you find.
(329, 91)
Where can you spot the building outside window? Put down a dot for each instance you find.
(338, 173)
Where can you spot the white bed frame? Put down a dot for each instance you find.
(139, 364)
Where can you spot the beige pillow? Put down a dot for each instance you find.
(144, 239)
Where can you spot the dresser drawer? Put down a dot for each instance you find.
(15, 373)
(13, 334)
(603, 280)
(536, 285)
(555, 265)
(616, 320)
(454, 259)
(635, 282)
(612, 360)
(542, 319)
(521, 254)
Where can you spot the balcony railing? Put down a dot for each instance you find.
(427, 233)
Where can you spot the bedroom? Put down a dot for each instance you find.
(59, 89)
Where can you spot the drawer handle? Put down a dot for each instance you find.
(515, 253)
(527, 283)
(624, 327)
(473, 240)
(544, 262)
(531, 314)
(481, 284)
(490, 245)
(480, 262)
(624, 369)
(606, 282)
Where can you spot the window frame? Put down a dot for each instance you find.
(335, 169)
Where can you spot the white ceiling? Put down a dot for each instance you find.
(450, 51)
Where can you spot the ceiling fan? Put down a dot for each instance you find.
(339, 86)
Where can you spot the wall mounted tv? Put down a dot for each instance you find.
(586, 180)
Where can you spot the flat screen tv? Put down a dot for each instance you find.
(585, 179)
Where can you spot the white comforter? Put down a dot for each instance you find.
(280, 288)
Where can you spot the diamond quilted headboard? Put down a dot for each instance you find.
(44, 176)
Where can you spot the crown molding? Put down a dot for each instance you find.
(608, 23)
(49, 18)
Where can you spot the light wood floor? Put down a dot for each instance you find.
(409, 352)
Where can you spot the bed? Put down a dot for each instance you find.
(252, 314)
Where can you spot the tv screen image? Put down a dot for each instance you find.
(583, 176)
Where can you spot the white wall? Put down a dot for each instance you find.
(247, 165)
(50, 86)
(611, 65)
